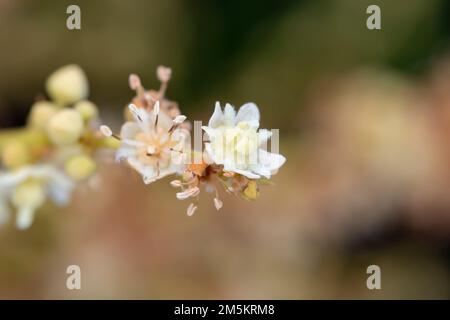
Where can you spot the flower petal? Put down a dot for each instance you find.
(246, 173)
(249, 112)
(229, 115)
(125, 152)
(129, 130)
(164, 121)
(209, 131)
(271, 161)
(217, 116)
(263, 136)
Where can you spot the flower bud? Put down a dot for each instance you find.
(65, 127)
(67, 85)
(80, 167)
(29, 194)
(40, 113)
(15, 154)
(86, 109)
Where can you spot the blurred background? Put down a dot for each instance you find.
(364, 119)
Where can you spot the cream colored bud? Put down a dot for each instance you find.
(40, 113)
(86, 109)
(65, 127)
(15, 154)
(80, 167)
(67, 85)
(29, 194)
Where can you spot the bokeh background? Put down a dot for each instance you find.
(365, 125)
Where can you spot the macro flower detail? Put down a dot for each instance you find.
(28, 188)
(151, 144)
(235, 142)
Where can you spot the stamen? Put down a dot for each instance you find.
(218, 203)
(176, 183)
(135, 111)
(106, 131)
(156, 113)
(191, 209)
(179, 119)
(179, 151)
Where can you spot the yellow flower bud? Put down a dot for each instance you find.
(65, 127)
(40, 113)
(67, 85)
(15, 154)
(251, 191)
(29, 194)
(86, 109)
(80, 167)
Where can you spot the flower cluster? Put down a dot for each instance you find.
(55, 150)
(156, 142)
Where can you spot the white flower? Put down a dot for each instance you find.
(235, 142)
(28, 188)
(150, 144)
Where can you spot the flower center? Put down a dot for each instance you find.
(237, 145)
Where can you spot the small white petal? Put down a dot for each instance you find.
(271, 161)
(248, 112)
(218, 203)
(125, 152)
(247, 173)
(129, 130)
(106, 131)
(263, 136)
(217, 116)
(229, 115)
